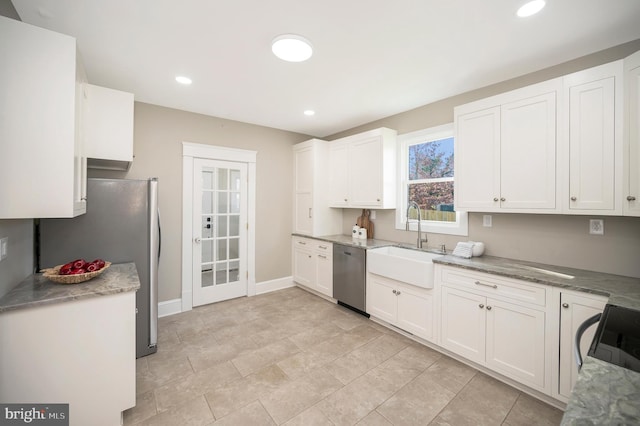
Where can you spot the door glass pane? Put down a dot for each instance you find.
(207, 202)
(221, 253)
(223, 180)
(207, 251)
(221, 230)
(221, 273)
(234, 226)
(234, 248)
(235, 202)
(207, 179)
(207, 276)
(235, 180)
(223, 204)
(234, 270)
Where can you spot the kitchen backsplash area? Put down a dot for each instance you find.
(551, 239)
(19, 261)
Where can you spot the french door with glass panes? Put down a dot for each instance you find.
(220, 231)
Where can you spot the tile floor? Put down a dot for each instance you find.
(292, 358)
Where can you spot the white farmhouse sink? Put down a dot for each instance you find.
(401, 264)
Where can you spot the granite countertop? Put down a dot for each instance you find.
(36, 290)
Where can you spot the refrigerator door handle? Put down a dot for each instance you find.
(154, 257)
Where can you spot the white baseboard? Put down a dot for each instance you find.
(169, 307)
(175, 306)
(273, 285)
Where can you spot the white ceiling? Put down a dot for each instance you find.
(372, 58)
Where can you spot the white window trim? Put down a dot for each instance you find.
(461, 225)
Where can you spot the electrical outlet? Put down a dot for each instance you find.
(596, 227)
(486, 220)
(372, 215)
(4, 247)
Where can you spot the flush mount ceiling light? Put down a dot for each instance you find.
(291, 48)
(531, 8)
(309, 112)
(183, 80)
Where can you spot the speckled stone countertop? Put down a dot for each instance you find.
(604, 394)
(36, 290)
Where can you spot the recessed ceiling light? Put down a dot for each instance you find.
(309, 112)
(292, 48)
(531, 8)
(183, 80)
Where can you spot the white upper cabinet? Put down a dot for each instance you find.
(311, 213)
(631, 184)
(42, 162)
(363, 170)
(505, 155)
(593, 135)
(108, 124)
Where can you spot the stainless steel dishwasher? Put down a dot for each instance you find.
(349, 273)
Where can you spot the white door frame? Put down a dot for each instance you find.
(190, 151)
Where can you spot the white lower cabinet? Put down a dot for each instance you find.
(495, 322)
(575, 308)
(313, 264)
(407, 307)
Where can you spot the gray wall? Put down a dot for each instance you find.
(19, 263)
(552, 239)
(158, 136)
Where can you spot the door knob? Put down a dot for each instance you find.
(197, 240)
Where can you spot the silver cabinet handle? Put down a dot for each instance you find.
(310, 214)
(321, 256)
(503, 199)
(631, 198)
(481, 306)
(378, 199)
(565, 305)
(345, 200)
(197, 240)
(495, 199)
(574, 198)
(488, 308)
(302, 242)
(394, 292)
(486, 285)
(398, 293)
(322, 247)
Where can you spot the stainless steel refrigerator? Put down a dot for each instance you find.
(121, 225)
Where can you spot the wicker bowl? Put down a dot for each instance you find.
(53, 275)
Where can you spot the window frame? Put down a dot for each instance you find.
(461, 225)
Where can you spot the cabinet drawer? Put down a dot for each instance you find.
(494, 286)
(323, 247)
(303, 242)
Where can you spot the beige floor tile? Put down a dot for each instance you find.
(418, 402)
(374, 419)
(528, 411)
(178, 391)
(256, 360)
(238, 393)
(450, 373)
(313, 336)
(161, 367)
(253, 414)
(203, 358)
(356, 400)
(296, 396)
(192, 413)
(145, 408)
(302, 363)
(405, 366)
(484, 401)
(310, 417)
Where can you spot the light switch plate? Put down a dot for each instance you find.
(4, 247)
(486, 221)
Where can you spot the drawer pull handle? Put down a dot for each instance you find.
(322, 256)
(323, 247)
(302, 242)
(486, 285)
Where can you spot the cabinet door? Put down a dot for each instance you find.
(303, 169)
(381, 298)
(593, 138)
(365, 172)
(477, 160)
(515, 342)
(463, 323)
(574, 310)
(338, 175)
(303, 211)
(324, 274)
(304, 265)
(415, 311)
(631, 201)
(528, 153)
(303, 191)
